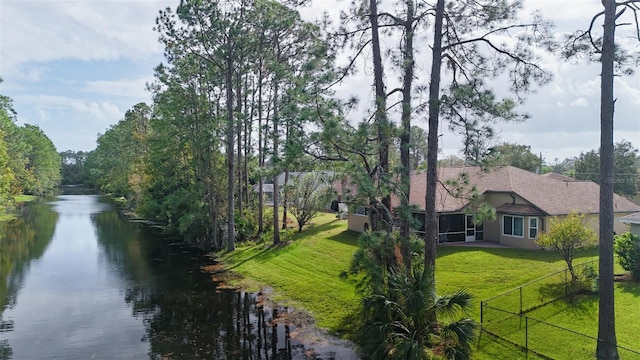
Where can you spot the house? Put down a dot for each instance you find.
(267, 192)
(325, 177)
(524, 203)
(633, 221)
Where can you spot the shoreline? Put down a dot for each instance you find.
(317, 341)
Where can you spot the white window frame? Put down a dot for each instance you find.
(512, 225)
(536, 228)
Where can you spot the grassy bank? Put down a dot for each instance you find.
(308, 273)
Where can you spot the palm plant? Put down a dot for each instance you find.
(403, 318)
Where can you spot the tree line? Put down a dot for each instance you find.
(29, 162)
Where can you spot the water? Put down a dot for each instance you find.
(77, 281)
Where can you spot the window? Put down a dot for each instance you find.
(533, 228)
(512, 225)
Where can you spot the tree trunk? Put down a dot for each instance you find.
(238, 112)
(607, 348)
(248, 128)
(260, 156)
(231, 233)
(382, 123)
(430, 221)
(405, 137)
(284, 200)
(276, 190)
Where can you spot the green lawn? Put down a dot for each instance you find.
(308, 273)
(582, 313)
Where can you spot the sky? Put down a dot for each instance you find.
(74, 68)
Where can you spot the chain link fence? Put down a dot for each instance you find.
(505, 316)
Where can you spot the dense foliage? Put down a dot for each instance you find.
(73, 167)
(625, 168)
(627, 248)
(29, 162)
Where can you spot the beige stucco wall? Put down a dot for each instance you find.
(592, 221)
(493, 229)
(497, 199)
(635, 229)
(521, 243)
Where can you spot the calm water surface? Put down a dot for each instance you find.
(77, 281)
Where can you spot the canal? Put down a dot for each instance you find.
(79, 281)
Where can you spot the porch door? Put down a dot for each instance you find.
(470, 229)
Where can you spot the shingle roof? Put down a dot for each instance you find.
(557, 176)
(631, 219)
(551, 195)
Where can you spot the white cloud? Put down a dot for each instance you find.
(70, 123)
(135, 88)
(579, 102)
(98, 110)
(41, 31)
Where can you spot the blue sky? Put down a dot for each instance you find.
(75, 67)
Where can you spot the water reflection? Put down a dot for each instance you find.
(22, 241)
(185, 315)
(107, 288)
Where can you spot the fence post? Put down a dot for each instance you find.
(566, 284)
(520, 300)
(481, 312)
(526, 335)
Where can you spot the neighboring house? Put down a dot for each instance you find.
(267, 192)
(327, 177)
(524, 202)
(633, 221)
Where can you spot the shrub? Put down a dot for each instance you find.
(246, 224)
(588, 275)
(567, 236)
(627, 247)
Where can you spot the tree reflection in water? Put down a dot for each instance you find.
(185, 314)
(22, 241)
